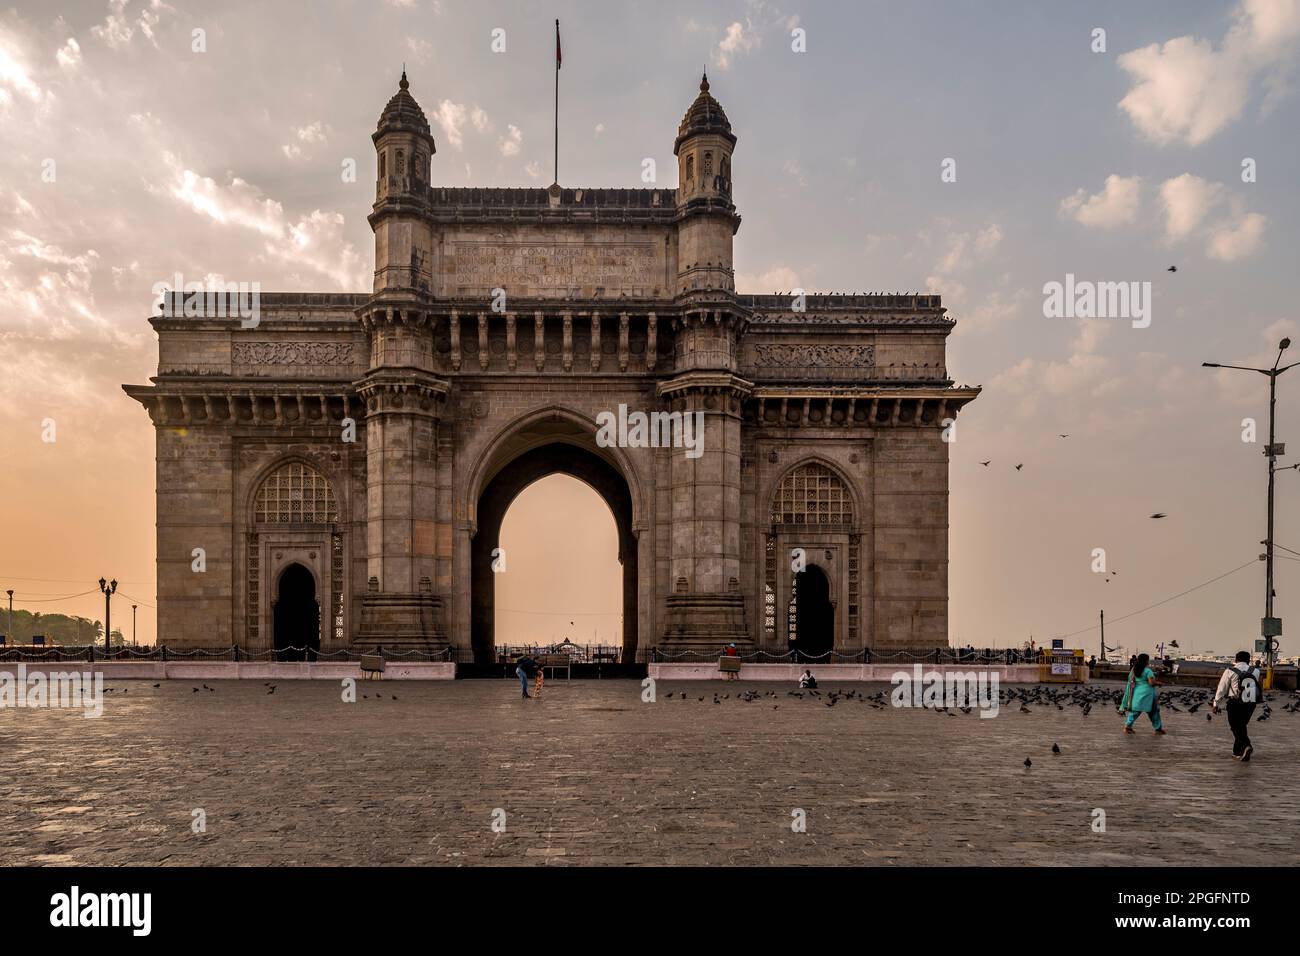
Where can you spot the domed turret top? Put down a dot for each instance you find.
(704, 116)
(403, 113)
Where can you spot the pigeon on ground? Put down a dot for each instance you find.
(1028, 762)
(1056, 749)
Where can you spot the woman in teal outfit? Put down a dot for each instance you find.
(1140, 696)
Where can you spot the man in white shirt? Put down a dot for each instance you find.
(1240, 685)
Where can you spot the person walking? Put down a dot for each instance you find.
(525, 668)
(1140, 695)
(1240, 685)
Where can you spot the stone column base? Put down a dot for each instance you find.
(706, 623)
(401, 622)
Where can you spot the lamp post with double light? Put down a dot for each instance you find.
(1270, 626)
(109, 588)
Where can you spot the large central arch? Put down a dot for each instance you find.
(557, 456)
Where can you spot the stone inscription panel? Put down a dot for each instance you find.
(556, 268)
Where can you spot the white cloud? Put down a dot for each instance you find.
(317, 240)
(1187, 199)
(451, 117)
(479, 118)
(1237, 237)
(600, 128)
(740, 38)
(1116, 205)
(420, 50)
(118, 28)
(14, 76)
(510, 143)
(776, 279)
(314, 133)
(69, 55)
(533, 169)
(1185, 90)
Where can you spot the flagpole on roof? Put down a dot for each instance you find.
(557, 102)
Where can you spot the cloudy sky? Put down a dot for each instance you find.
(126, 155)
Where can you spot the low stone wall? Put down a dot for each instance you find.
(841, 673)
(242, 670)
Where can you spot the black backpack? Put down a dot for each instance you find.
(1244, 685)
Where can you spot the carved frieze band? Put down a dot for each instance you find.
(292, 353)
(815, 356)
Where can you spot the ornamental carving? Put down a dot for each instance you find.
(815, 356)
(292, 353)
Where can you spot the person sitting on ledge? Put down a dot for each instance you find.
(807, 680)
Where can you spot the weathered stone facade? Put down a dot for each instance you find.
(377, 439)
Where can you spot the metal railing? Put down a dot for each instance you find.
(579, 653)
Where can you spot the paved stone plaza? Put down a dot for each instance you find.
(590, 775)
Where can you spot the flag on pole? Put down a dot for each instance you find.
(557, 45)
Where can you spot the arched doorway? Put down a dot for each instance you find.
(814, 616)
(563, 581)
(495, 500)
(297, 615)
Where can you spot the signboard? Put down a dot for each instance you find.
(1270, 626)
(1062, 660)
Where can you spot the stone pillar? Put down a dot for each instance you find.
(706, 607)
(404, 402)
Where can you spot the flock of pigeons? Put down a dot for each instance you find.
(1039, 695)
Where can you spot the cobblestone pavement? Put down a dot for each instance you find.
(591, 775)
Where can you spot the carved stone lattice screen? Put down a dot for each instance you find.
(812, 494)
(295, 494)
(251, 604)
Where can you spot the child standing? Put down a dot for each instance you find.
(538, 681)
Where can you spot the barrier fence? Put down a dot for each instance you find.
(595, 654)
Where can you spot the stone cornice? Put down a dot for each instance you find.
(862, 407)
(710, 382)
(243, 402)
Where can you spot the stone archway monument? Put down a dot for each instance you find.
(504, 330)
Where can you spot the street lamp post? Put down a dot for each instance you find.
(10, 635)
(134, 642)
(108, 588)
(1270, 627)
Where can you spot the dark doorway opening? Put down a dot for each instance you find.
(297, 616)
(495, 501)
(814, 616)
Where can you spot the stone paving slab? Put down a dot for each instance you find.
(591, 775)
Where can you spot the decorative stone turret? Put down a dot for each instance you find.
(706, 606)
(404, 397)
(404, 148)
(706, 213)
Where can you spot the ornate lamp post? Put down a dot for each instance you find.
(108, 588)
(1270, 626)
